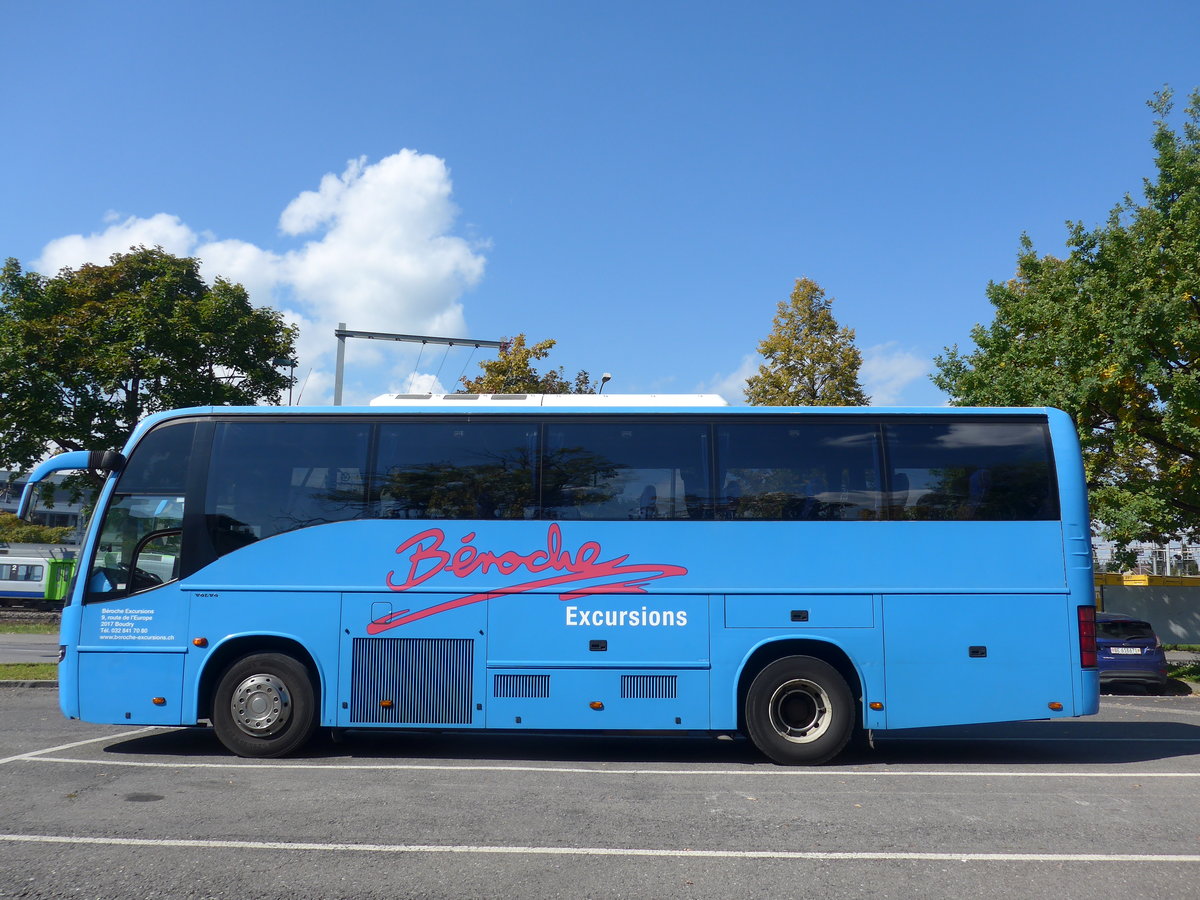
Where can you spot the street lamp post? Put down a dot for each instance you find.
(291, 364)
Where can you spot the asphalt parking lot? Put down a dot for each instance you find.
(1103, 806)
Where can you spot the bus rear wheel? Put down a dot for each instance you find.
(264, 706)
(799, 711)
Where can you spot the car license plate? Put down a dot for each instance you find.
(1127, 651)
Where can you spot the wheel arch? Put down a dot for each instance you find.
(234, 648)
(771, 650)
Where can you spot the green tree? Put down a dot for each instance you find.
(13, 530)
(512, 372)
(87, 353)
(810, 361)
(1111, 334)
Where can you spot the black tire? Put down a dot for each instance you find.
(799, 711)
(264, 706)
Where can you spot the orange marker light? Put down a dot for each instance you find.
(596, 704)
(1055, 705)
(386, 704)
(159, 701)
(875, 705)
(200, 642)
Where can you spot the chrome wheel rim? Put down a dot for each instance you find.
(261, 705)
(800, 711)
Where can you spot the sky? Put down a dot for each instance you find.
(642, 182)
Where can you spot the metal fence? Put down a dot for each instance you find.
(1152, 559)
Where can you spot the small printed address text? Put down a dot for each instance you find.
(129, 624)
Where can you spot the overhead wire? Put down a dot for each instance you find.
(470, 356)
(412, 379)
(438, 373)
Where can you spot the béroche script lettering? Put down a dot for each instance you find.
(427, 556)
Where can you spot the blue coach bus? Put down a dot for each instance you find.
(583, 563)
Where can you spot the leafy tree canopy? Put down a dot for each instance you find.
(87, 353)
(13, 530)
(1111, 334)
(512, 372)
(809, 360)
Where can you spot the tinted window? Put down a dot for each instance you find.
(270, 477)
(139, 547)
(158, 464)
(463, 470)
(798, 471)
(625, 470)
(971, 469)
(1125, 631)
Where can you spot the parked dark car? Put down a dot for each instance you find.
(1129, 652)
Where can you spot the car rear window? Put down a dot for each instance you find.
(1125, 631)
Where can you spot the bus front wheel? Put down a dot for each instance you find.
(799, 711)
(264, 705)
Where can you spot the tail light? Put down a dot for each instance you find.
(1087, 637)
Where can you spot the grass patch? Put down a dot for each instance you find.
(1187, 672)
(10, 628)
(28, 671)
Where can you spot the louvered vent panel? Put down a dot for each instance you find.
(649, 687)
(427, 681)
(521, 686)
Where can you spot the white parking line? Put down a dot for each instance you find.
(34, 754)
(764, 769)
(606, 851)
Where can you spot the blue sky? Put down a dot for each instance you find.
(642, 181)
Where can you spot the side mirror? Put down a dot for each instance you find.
(104, 460)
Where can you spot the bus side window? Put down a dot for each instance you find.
(615, 470)
(271, 477)
(800, 471)
(973, 470)
(456, 470)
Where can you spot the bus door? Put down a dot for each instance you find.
(133, 630)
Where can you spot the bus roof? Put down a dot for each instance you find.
(597, 401)
(449, 404)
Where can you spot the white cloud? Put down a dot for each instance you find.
(384, 261)
(887, 371)
(733, 385)
(162, 230)
(258, 270)
(379, 256)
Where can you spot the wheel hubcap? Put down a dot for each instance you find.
(261, 705)
(800, 711)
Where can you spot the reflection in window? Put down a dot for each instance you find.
(972, 469)
(267, 478)
(798, 471)
(456, 470)
(138, 547)
(159, 465)
(1125, 630)
(625, 470)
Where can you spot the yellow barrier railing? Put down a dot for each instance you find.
(1147, 580)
